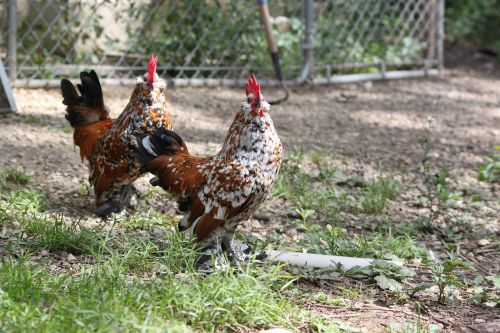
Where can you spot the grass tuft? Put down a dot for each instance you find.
(104, 299)
(384, 244)
(318, 191)
(12, 176)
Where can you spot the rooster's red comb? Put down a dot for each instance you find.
(253, 87)
(152, 68)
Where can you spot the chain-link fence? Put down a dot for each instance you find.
(219, 41)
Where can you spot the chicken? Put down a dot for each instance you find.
(107, 144)
(217, 193)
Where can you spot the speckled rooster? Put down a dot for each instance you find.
(217, 193)
(107, 143)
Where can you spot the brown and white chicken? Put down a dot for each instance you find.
(106, 143)
(217, 193)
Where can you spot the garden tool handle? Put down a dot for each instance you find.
(265, 18)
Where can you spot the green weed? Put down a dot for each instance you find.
(444, 277)
(436, 193)
(32, 119)
(14, 176)
(489, 171)
(482, 293)
(40, 231)
(384, 244)
(320, 194)
(63, 127)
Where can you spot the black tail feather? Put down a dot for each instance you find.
(88, 107)
(161, 142)
(91, 90)
(70, 96)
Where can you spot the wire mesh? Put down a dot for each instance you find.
(217, 39)
(374, 35)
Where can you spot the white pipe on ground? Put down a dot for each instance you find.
(320, 260)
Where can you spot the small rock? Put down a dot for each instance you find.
(262, 216)
(71, 257)
(483, 242)
(256, 224)
(44, 253)
(479, 320)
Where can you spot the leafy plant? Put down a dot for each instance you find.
(376, 193)
(387, 275)
(473, 21)
(444, 277)
(436, 191)
(489, 171)
(481, 292)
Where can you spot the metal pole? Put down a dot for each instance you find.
(11, 43)
(432, 36)
(195, 82)
(440, 34)
(308, 44)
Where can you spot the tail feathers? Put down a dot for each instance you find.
(70, 96)
(91, 90)
(88, 107)
(161, 142)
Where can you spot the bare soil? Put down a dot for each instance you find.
(367, 129)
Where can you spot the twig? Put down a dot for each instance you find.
(371, 308)
(442, 321)
(380, 308)
(476, 263)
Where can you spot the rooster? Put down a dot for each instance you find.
(107, 144)
(217, 193)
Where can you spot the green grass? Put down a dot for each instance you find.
(319, 191)
(147, 220)
(134, 283)
(104, 299)
(21, 206)
(13, 177)
(384, 244)
(489, 171)
(375, 194)
(137, 273)
(63, 127)
(318, 195)
(32, 119)
(23, 209)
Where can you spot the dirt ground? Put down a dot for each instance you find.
(367, 128)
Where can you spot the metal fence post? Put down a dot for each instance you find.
(432, 36)
(11, 42)
(308, 43)
(440, 34)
